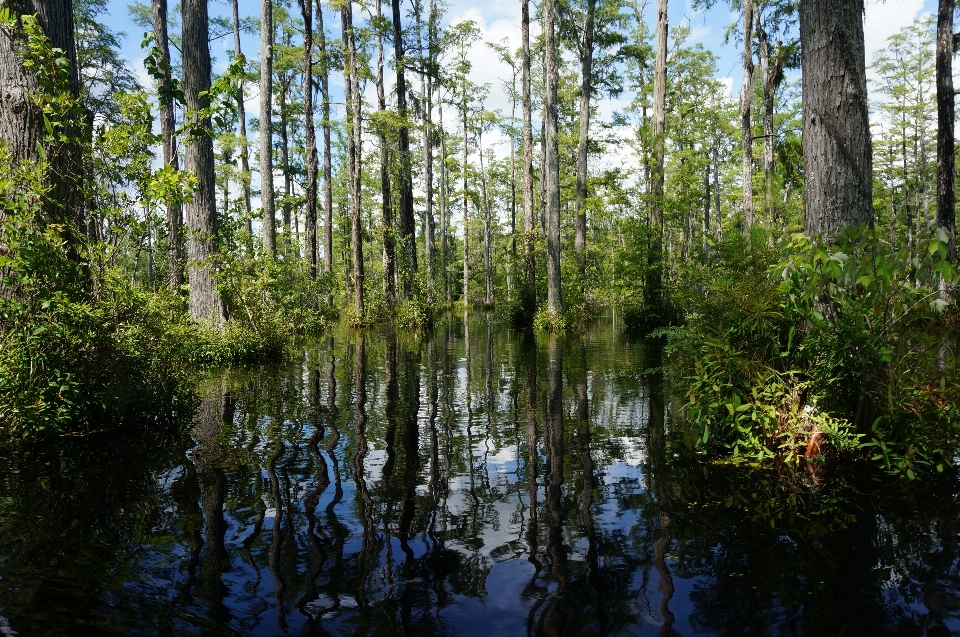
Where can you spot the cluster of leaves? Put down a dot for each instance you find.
(833, 346)
(271, 299)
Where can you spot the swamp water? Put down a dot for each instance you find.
(471, 481)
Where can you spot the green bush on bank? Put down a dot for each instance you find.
(801, 348)
(84, 348)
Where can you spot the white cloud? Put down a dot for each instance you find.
(884, 18)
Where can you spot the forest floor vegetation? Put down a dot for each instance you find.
(798, 350)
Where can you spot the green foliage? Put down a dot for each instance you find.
(273, 299)
(832, 346)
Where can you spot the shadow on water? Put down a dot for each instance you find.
(470, 481)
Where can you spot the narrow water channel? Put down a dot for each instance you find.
(470, 481)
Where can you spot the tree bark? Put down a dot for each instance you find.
(837, 153)
(586, 90)
(22, 129)
(771, 73)
(327, 155)
(746, 100)
(528, 289)
(653, 285)
(386, 206)
(487, 221)
(201, 212)
(168, 129)
(407, 222)
(241, 121)
(466, 203)
(946, 197)
(551, 161)
(269, 228)
(286, 241)
(447, 293)
(306, 8)
(426, 90)
(354, 153)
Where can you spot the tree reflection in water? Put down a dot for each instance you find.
(468, 481)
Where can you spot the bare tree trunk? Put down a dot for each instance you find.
(837, 153)
(306, 8)
(269, 228)
(327, 162)
(447, 294)
(552, 161)
(487, 261)
(586, 90)
(772, 76)
(528, 289)
(286, 241)
(386, 206)
(241, 121)
(201, 212)
(716, 189)
(426, 90)
(653, 285)
(407, 222)
(466, 214)
(512, 272)
(168, 129)
(746, 100)
(946, 198)
(354, 115)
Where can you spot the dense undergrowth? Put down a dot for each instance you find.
(82, 348)
(798, 349)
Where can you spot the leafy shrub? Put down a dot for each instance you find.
(835, 346)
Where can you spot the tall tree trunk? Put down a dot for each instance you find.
(168, 127)
(386, 206)
(487, 260)
(327, 159)
(466, 203)
(426, 90)
(746, 101)
(586, 90)
(201, 212)
(552, 160)
(269, 228)
(837, 153)
(306, 8)
(286, 240)
(512, 272)
(771, 72)
(528, 289)
(946, 198)
(352, 85)
(407, 221)
(653, 285)
(22, 128)
(241, 121)
(447, 293)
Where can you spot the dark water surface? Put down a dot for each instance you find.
(474, 481)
